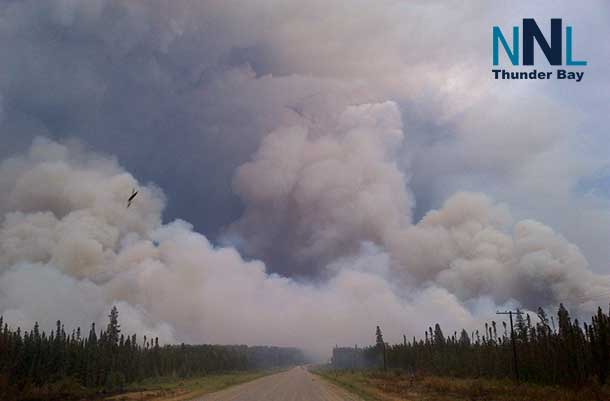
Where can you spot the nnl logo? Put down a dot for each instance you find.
(532, 32)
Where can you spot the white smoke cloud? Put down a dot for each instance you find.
(210, 79)
(315, 197)
(73, 249)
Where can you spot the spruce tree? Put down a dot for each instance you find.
(439, 338)
(378, 337)
(464, 338)
(113, 330)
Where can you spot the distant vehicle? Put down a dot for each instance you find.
(131, 197)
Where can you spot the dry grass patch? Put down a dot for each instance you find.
(397, 385)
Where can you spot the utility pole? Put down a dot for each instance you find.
(512, 339)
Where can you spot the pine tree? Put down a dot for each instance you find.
(378, 337)
(520, 326)
(439, 338)
(380, 344)
(544, 326)
(464, 338)
(600, 344)
(565, 323)
(113, 330)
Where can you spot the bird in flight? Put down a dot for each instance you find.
(131, 197)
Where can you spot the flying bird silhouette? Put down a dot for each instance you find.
(131, 197)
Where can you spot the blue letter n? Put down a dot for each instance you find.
(512, 55)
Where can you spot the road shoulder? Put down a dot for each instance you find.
(176, 389)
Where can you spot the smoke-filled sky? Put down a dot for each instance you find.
(307, 170)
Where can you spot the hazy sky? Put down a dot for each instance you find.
(309, 137)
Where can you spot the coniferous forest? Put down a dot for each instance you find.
(558, 351)
(108, 359)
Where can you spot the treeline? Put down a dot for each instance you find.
(108, 360)
(549, 351)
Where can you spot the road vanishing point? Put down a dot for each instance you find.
(296, 384)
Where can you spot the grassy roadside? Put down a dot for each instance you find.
(354, 382)
(396, 385)
(175, 389)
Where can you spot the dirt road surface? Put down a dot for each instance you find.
(296, 384)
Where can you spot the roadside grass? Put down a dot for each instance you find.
(355, 382)
(168, 388)
(393, 385)
(177, 389)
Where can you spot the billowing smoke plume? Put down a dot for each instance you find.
(337, 150)
(70, 248)
(312, 198)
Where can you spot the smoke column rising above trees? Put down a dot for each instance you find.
(322, 174)
(72, 248)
